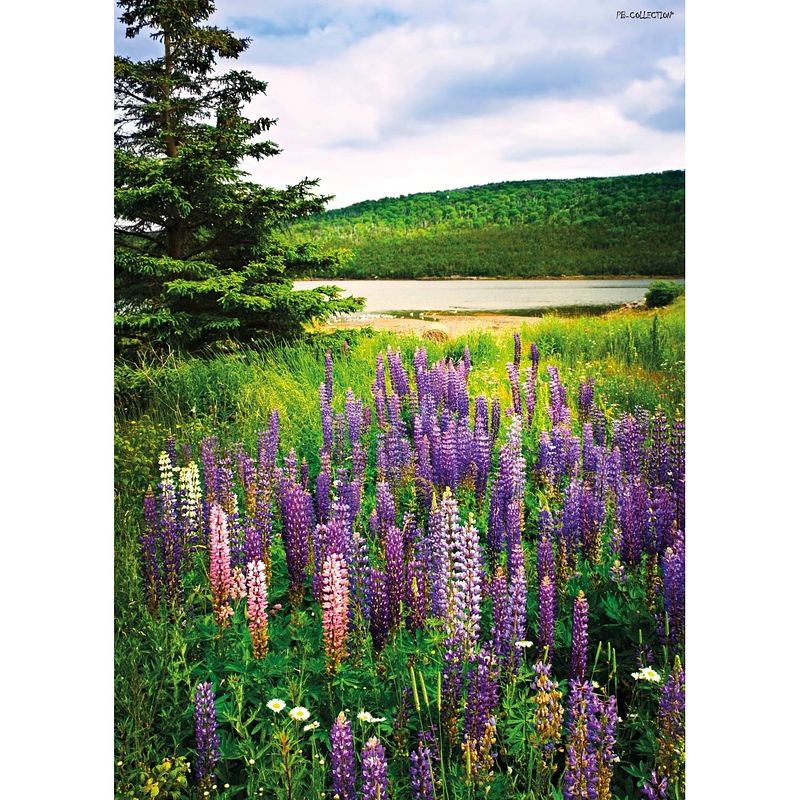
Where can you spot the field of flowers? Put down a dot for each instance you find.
(378, 569)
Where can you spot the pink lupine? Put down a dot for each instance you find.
(220, 569)
(257, 606)
(335, 593)
(238, 584)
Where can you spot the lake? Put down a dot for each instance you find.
(521, 296)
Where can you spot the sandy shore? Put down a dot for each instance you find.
(450, 325)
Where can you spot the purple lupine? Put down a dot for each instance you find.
(580, 637)
(661, 524)
(324, 483)
(513, 379)
(534, 356)
(517, 604)
(297, 524)
(628, 437)
(420, 773)
(654, 788)
(466, 585)
(677, 456)
(343, 759)
(495, 417)
(395, 574)
(530, 394)
(148, 542)
(253, 545)
(374, 784)
(559, 411)
(632, 517)
(585, 399)
(547, 609)
(673, 567)
(580, 775)
(658, 466)
(378, 608)
(171, 540)
(671, 735)
(397, 373)
(602, 731)
(517, 349)
(206, 737)
(483, 695)
(593, 514)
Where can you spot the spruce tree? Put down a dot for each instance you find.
(199, 254)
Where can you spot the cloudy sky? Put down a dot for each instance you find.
(386, 97)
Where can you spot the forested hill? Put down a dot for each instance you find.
(629, 225)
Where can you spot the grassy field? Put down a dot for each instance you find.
(637, 362)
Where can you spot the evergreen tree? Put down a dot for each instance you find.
(198, 251)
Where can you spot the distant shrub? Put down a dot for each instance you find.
(662, 293)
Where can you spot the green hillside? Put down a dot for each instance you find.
(629, 225)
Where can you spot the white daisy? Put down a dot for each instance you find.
(276, 705)
(300, 713)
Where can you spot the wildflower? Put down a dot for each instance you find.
(646, 674)
(311, 725)
(300, 713)
(343, 763)
(364, 716)
(206, 737)
(251, 761)
(373, 771)
(524, 643)
(276, 705)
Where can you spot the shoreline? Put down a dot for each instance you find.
(332, 279)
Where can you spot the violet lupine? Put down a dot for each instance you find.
(655, 788)
(585, 399)
(378, 608)
(580, 775)
(534, 356)
(517, 349)
(673, 568)
(628, 437)
(513, 379)
(206, 737)
(420, 773)
(171, 538)
(295, 507)
(483, 695)
(343, 759)
(374, 784)
(148, 543)
(530, 394)
(670, 739)
(658, 464)
(632, 518)
(395, 574)
(257, 607)
(580, 637)
(253, 545)
(324, 483)
(267, 445)
(559, 411)
(397, 373)
(335, 611)
(220, 566)
(677, 456)
(547, 613)
(602, 738)
(593, 513)
(495, 429)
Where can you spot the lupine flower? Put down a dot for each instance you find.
(206, 738)
(420, 773)
(335, 591)
(673, 567)
(149, 551)
(513, 378)
(547, 607)
(257, 607)
(580, 637)
(483, 695)
(530, 393)
(547, 700)
(670, 739)
(238, 584)
(295, 505)
(655, 789)
(220, 567)
(343, 760)
(374, 785)
(534, 356)
(190, 504)
(171, 538)
(580, 776)
(585, 398)
(495, 429)
(602, 738)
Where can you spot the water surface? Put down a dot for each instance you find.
(387, 297)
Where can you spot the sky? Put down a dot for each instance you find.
(380, 98)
